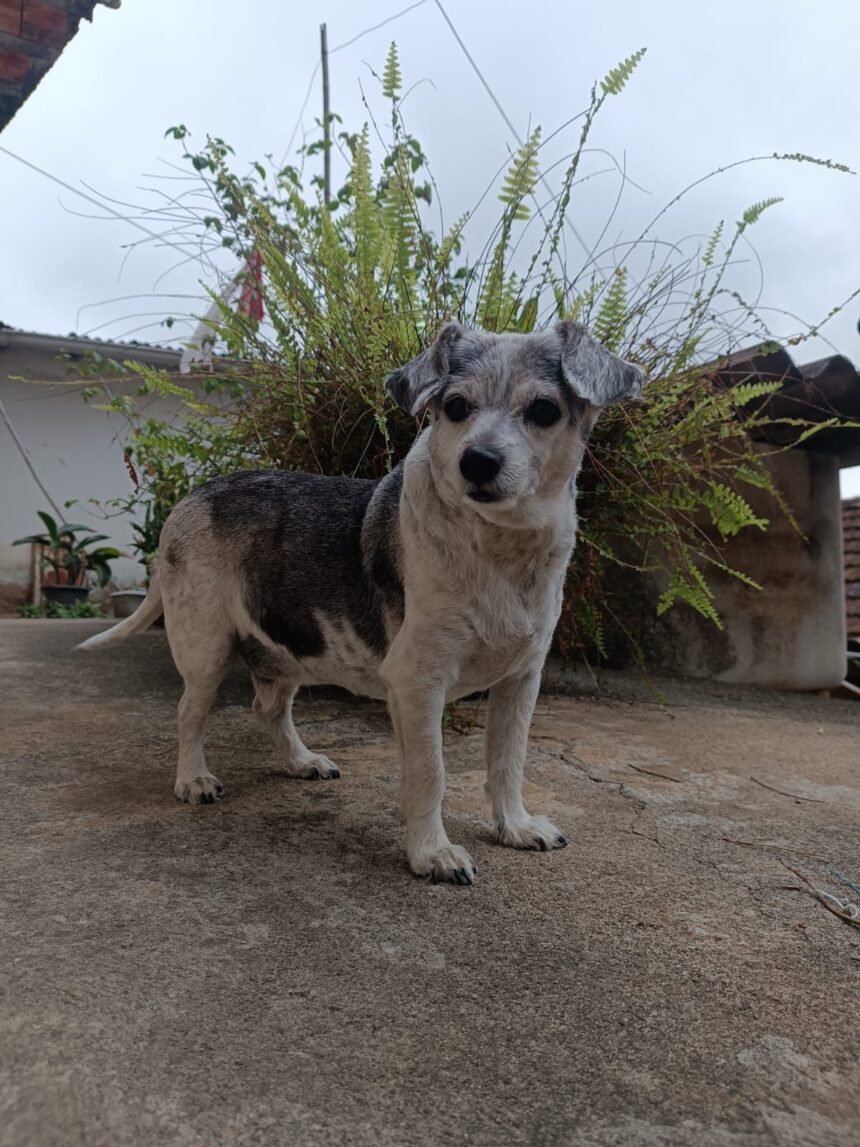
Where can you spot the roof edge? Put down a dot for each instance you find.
(59, 344)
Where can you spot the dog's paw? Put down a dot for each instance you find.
(316, 767)
(200, 790)
(450, 864)
(536, 833)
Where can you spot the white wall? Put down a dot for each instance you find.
(76, 451)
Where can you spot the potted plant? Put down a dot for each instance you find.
(69, 559)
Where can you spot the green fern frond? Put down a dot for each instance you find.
(611, 321)
(729, 511)
(599, 638)
(452, 241)
(688, 584)
(738, 575)
(616, 78)
(580, 308)
(807, 431)
(712, 244)
(755, 212)
(746, 392)
(366, 229)
(799, 157)
(521, 177)
(528, 315)
(392, 80)
(758, 478)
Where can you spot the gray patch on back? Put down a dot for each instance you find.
(298, 541)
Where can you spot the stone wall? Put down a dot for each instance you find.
(791, 633)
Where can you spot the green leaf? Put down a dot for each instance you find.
(33, 539)
(50, 525)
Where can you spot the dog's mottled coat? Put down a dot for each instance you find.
(441, 579)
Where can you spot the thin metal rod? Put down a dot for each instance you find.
(326, 116)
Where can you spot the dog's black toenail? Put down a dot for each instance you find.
(561, 841)
(542, 844)
(314, 775)
(433, 874)
(335, 774)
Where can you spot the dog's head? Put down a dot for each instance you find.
(511, 413)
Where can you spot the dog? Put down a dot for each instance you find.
(440, 580)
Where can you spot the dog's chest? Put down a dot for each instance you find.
(508, 626)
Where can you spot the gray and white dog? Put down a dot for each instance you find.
(442, 579)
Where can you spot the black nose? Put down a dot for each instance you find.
(480, 465)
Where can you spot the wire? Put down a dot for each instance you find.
(504, 114)
(22, 449)
(381, 24)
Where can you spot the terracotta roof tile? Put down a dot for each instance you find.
(851, 550)
(33, 33)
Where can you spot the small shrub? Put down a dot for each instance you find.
(53, 609)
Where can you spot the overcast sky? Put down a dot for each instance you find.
(719, 82)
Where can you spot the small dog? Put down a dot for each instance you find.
(442, 579)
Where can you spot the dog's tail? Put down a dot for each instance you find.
(145, 614)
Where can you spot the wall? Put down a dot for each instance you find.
(75, 449)
(791, 633)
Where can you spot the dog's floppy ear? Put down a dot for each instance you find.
(414, 385)
(595, 373)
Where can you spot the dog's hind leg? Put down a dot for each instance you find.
(273, 704)
(509, 715)
(202, 660)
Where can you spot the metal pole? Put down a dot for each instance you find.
(326, 117)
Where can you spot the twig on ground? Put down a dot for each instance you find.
(654, 773)
(645, 836)
(783, 793)
(775, 848)
(823, 897)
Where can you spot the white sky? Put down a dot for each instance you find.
(720, 82)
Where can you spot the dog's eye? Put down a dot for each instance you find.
(457, 408)
(542, 412)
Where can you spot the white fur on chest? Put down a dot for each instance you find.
(347, 661)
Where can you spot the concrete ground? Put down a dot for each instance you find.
(266, 971)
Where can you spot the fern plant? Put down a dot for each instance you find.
(354, 288)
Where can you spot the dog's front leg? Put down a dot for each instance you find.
(416, 713)
(509, 716)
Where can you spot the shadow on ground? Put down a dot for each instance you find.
(266, 971)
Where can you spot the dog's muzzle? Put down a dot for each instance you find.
(480, 466)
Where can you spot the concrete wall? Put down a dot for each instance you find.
(791, 633)
(75, 449)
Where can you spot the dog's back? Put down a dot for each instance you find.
(296, 550)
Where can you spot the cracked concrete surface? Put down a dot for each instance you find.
(265, 971)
